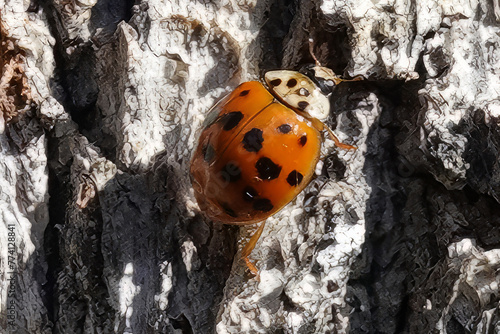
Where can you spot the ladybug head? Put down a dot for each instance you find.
(323, 77)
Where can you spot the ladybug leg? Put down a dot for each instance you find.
(245, 253)
(322, 126)
(338, 80)
(337, 142)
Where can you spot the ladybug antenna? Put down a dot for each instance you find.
(325, 73)
(311, 51)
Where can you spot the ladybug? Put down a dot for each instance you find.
(260, 145)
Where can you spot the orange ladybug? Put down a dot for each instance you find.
(260, 145)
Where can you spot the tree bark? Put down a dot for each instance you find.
(101, 103)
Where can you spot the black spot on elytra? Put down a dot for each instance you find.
(275, 82)
(245, 92)
(231, 120)
(294, 178)
(262, 204)
(208, 152)
(303, 140)
(230, 172)
(267, 169)
(227, 209)
(249, 194)
(302, 105)
(291, 83)
(252, 141)
(284, 128)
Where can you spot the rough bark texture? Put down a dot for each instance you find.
(100, 106)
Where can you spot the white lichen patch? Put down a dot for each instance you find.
(478, 271)
(471, 82)
(382, 41)
(189, 255)
(127, 290)
(166, 286)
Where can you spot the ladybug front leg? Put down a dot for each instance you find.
(337, 142)
(245, 253)
(322, 126)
